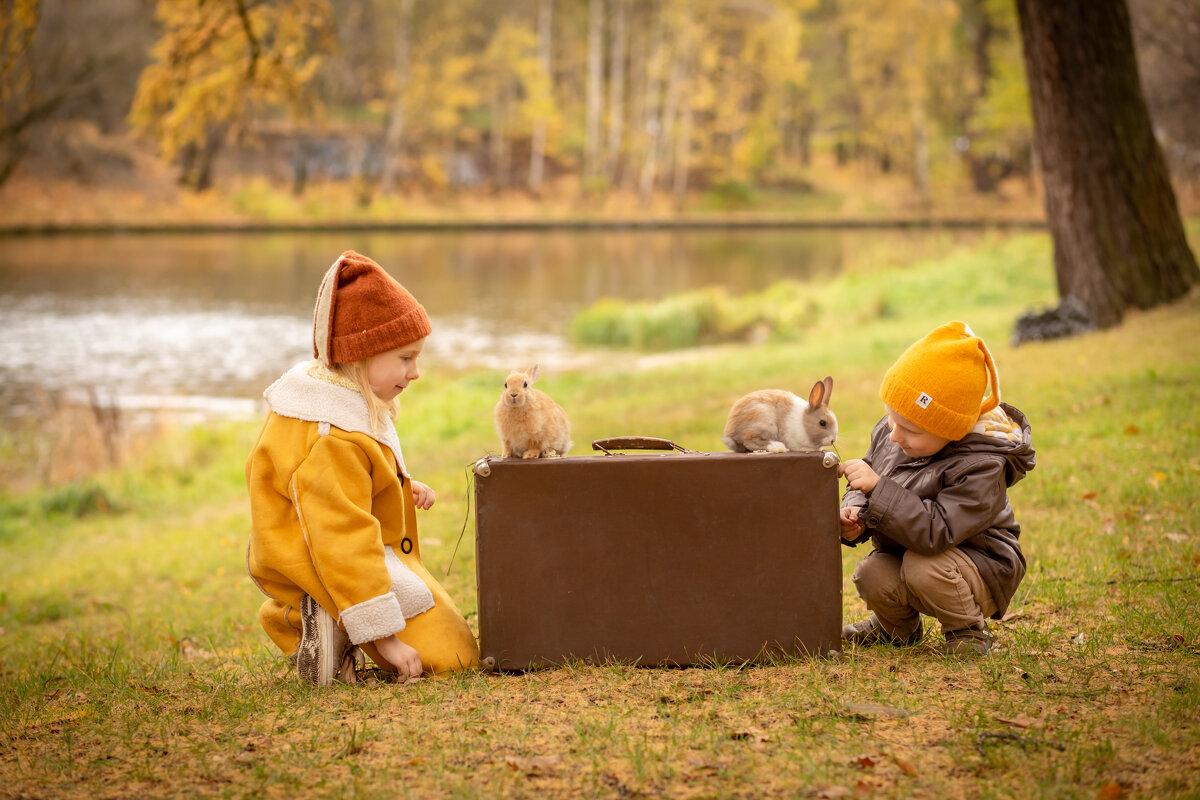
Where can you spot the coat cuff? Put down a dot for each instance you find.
(412, 593)
(879, 503)
(373, 619)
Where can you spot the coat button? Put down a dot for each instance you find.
(406, 545)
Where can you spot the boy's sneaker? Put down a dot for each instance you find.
(969, 642)
(323, 645)
(869, 631)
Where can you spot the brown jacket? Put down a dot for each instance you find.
(956, 498)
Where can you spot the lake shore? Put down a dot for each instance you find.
(747, 221)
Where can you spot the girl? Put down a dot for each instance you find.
(333, 542)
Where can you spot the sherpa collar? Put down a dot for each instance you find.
(311, 392)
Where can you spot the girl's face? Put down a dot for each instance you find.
(391, 372)
(914, 441)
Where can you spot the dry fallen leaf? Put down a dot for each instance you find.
(1019, 721)
(832, 792)
(1132, 430)
(702, 763)
(865, 762)
(534, 764)
(190, 652)
(1177, 537)
(905, 765)
(1110, 791)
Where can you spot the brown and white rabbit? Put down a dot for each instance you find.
(529, 423)
(776, 421)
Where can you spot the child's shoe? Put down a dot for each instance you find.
(869, 631)
(969, 642)
(323, 645)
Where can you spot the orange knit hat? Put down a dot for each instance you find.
(939, 382)
(362, 311)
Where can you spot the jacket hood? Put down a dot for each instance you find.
(1003, 431)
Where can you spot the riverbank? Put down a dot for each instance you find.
(747, 221)
(115, 185)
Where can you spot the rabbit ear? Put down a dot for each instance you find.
(816, 398)
(533, 374)
(828, 389)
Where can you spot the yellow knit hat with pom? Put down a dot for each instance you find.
(940, 380)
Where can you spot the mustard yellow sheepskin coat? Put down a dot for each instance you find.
(332, 516)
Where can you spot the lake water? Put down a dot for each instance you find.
(204, 322)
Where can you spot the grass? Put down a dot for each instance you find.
(132, 664)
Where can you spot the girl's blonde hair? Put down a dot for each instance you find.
(381, 412)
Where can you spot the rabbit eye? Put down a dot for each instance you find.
(824, 423)
(525, 384)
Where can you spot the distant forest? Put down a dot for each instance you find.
(667, 96)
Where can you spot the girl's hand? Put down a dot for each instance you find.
(852, 526)
(401, 657)
(423, 496)
(859, 475)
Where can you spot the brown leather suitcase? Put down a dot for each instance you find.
(673, 558)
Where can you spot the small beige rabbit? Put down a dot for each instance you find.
(529, 423)
(776, 421)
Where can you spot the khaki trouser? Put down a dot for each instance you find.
(946, 586)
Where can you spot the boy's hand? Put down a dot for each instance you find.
(852, 526)
(423, 496)
(402, 657)
(859, 475)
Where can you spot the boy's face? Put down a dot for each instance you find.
(914, 441)
(390, 373)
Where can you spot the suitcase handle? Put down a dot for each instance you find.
(635, 443)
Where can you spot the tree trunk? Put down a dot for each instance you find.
(300, 167)
(1118, 239)
(683, 156)
(683, 140)
(202, 177)
(498, 143)
(393, 141)
(616, 91)
(595, 88)
(654, 111)
(670, 112)
(638, 64)
(537, 145)
(921, 169)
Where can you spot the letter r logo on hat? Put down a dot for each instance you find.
(923, 400)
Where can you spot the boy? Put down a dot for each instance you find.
(932, 492)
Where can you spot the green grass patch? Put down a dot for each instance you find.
(132, 664)
(986, 281)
